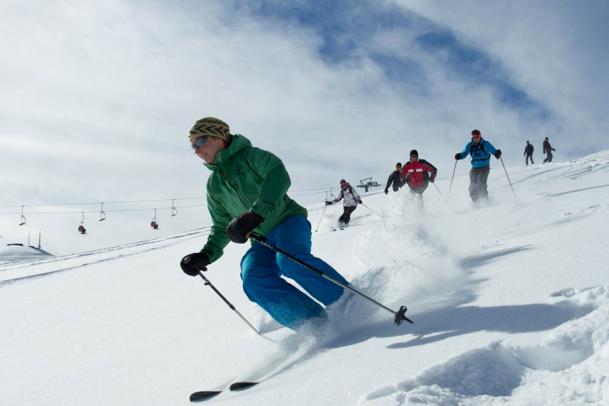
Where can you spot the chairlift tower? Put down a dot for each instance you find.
(367, 183)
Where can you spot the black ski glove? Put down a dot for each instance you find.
(193, 263)
(432, 179)
(498, 154)
(386, 191)
(360, 201)
(458, 156)
(329, 203)
(238, 229)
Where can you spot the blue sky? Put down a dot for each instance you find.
(344, 28)
(98, 96)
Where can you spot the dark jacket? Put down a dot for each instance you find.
(528, 150)
(547, 148)
(395, 180)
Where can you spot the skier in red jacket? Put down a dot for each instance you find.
(418, 173)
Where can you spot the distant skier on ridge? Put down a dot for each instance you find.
(547, 149)
(528, 152)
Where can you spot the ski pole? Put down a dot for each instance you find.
(437, 188)
(451, 180)
(508, 178)
(373, 212)
(322, 216)
(399, 316)
(208, 283)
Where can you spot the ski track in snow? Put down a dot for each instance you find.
(17, 272)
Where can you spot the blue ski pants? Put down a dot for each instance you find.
(262, 270)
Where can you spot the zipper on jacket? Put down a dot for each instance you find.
(223, 175)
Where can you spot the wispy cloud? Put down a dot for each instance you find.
(98, 96)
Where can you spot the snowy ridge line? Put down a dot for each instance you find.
(202, 231)
(117, 255)
(585, 166)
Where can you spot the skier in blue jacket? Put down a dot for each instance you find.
(480, 150)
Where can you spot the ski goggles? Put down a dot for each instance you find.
(199, 142)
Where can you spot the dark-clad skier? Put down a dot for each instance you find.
(547, 149)
(394, 179)
(528, 152)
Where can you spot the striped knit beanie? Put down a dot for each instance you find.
(209, 127)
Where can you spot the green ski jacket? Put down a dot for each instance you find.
(246, 178)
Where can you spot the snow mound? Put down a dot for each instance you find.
(569, 365)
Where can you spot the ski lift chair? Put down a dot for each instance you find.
(81, 226)
(22, 219)
(174, 211)
(102, 213)
(153, 222)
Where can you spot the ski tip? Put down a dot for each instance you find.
(204, 395)
(242, 385)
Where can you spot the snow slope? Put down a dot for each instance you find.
(510, 303)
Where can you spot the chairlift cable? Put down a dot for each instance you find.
(105, 211)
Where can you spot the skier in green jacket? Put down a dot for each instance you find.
(247, 191)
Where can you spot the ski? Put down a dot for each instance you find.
(204, 395)
(243, 385)
(201, 396)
